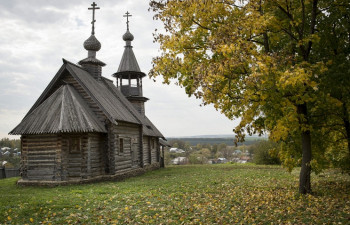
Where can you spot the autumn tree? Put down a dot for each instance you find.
(257, 60)
(334, 120)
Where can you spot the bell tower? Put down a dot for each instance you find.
(129, 76)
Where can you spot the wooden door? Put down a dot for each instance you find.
(134, 152)
(74, 158)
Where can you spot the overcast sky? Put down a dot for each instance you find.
(37, 34)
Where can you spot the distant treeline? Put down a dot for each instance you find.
(11, 143)
(212, 141)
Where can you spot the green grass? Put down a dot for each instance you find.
(208, 194)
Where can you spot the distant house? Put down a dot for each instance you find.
(176, 150)
(222, 160)
(7, 153)
(244, 159)
(5, 149)
(218, 161)
(179, 161)
(237, 152)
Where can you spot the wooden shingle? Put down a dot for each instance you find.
(64, 111)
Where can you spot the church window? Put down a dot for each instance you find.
(74, 145)
(121, 145)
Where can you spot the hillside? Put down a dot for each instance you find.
(209, 194)
(216, 139)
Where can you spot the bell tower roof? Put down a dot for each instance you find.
(128, 66)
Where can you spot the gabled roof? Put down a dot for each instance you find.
(113, 108)
(104, 93)
(63, 111)
(113, 101)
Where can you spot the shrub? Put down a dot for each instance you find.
(265, 153)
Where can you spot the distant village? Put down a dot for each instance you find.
(10, 157)
(6, 151)
(182, 153)
(10, 153)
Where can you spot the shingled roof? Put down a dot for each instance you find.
(128, 62)
(105, 94)
(113, 108)
(128, 67)
(63, 111)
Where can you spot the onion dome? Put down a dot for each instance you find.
(128, 36)
(92, 44)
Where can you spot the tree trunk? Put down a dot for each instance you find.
(346, 124)
(305, 172)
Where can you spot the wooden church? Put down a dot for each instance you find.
(84, 128)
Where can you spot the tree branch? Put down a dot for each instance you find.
(201, 26)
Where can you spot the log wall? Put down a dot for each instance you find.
(51, 157)
(96, 162)
(41, 157)
(151, 150)
(73, 159)
(129, 157)
(146, 151)
(85, 161)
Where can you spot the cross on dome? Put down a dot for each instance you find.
(93, 16)
(128, 37)
(92, 45)
(127, 14)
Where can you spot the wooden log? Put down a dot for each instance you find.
(42, 172)
(41, 166)
(42, 177)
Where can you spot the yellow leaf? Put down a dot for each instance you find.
(9, 218)
(31, 220)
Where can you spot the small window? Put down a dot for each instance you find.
(121, 145)
(133, 82)
(74, 145)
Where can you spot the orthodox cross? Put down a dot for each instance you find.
(93, 16)
(127, 14)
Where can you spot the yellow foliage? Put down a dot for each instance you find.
(261, 61)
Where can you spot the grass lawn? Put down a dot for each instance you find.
(208, 194)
